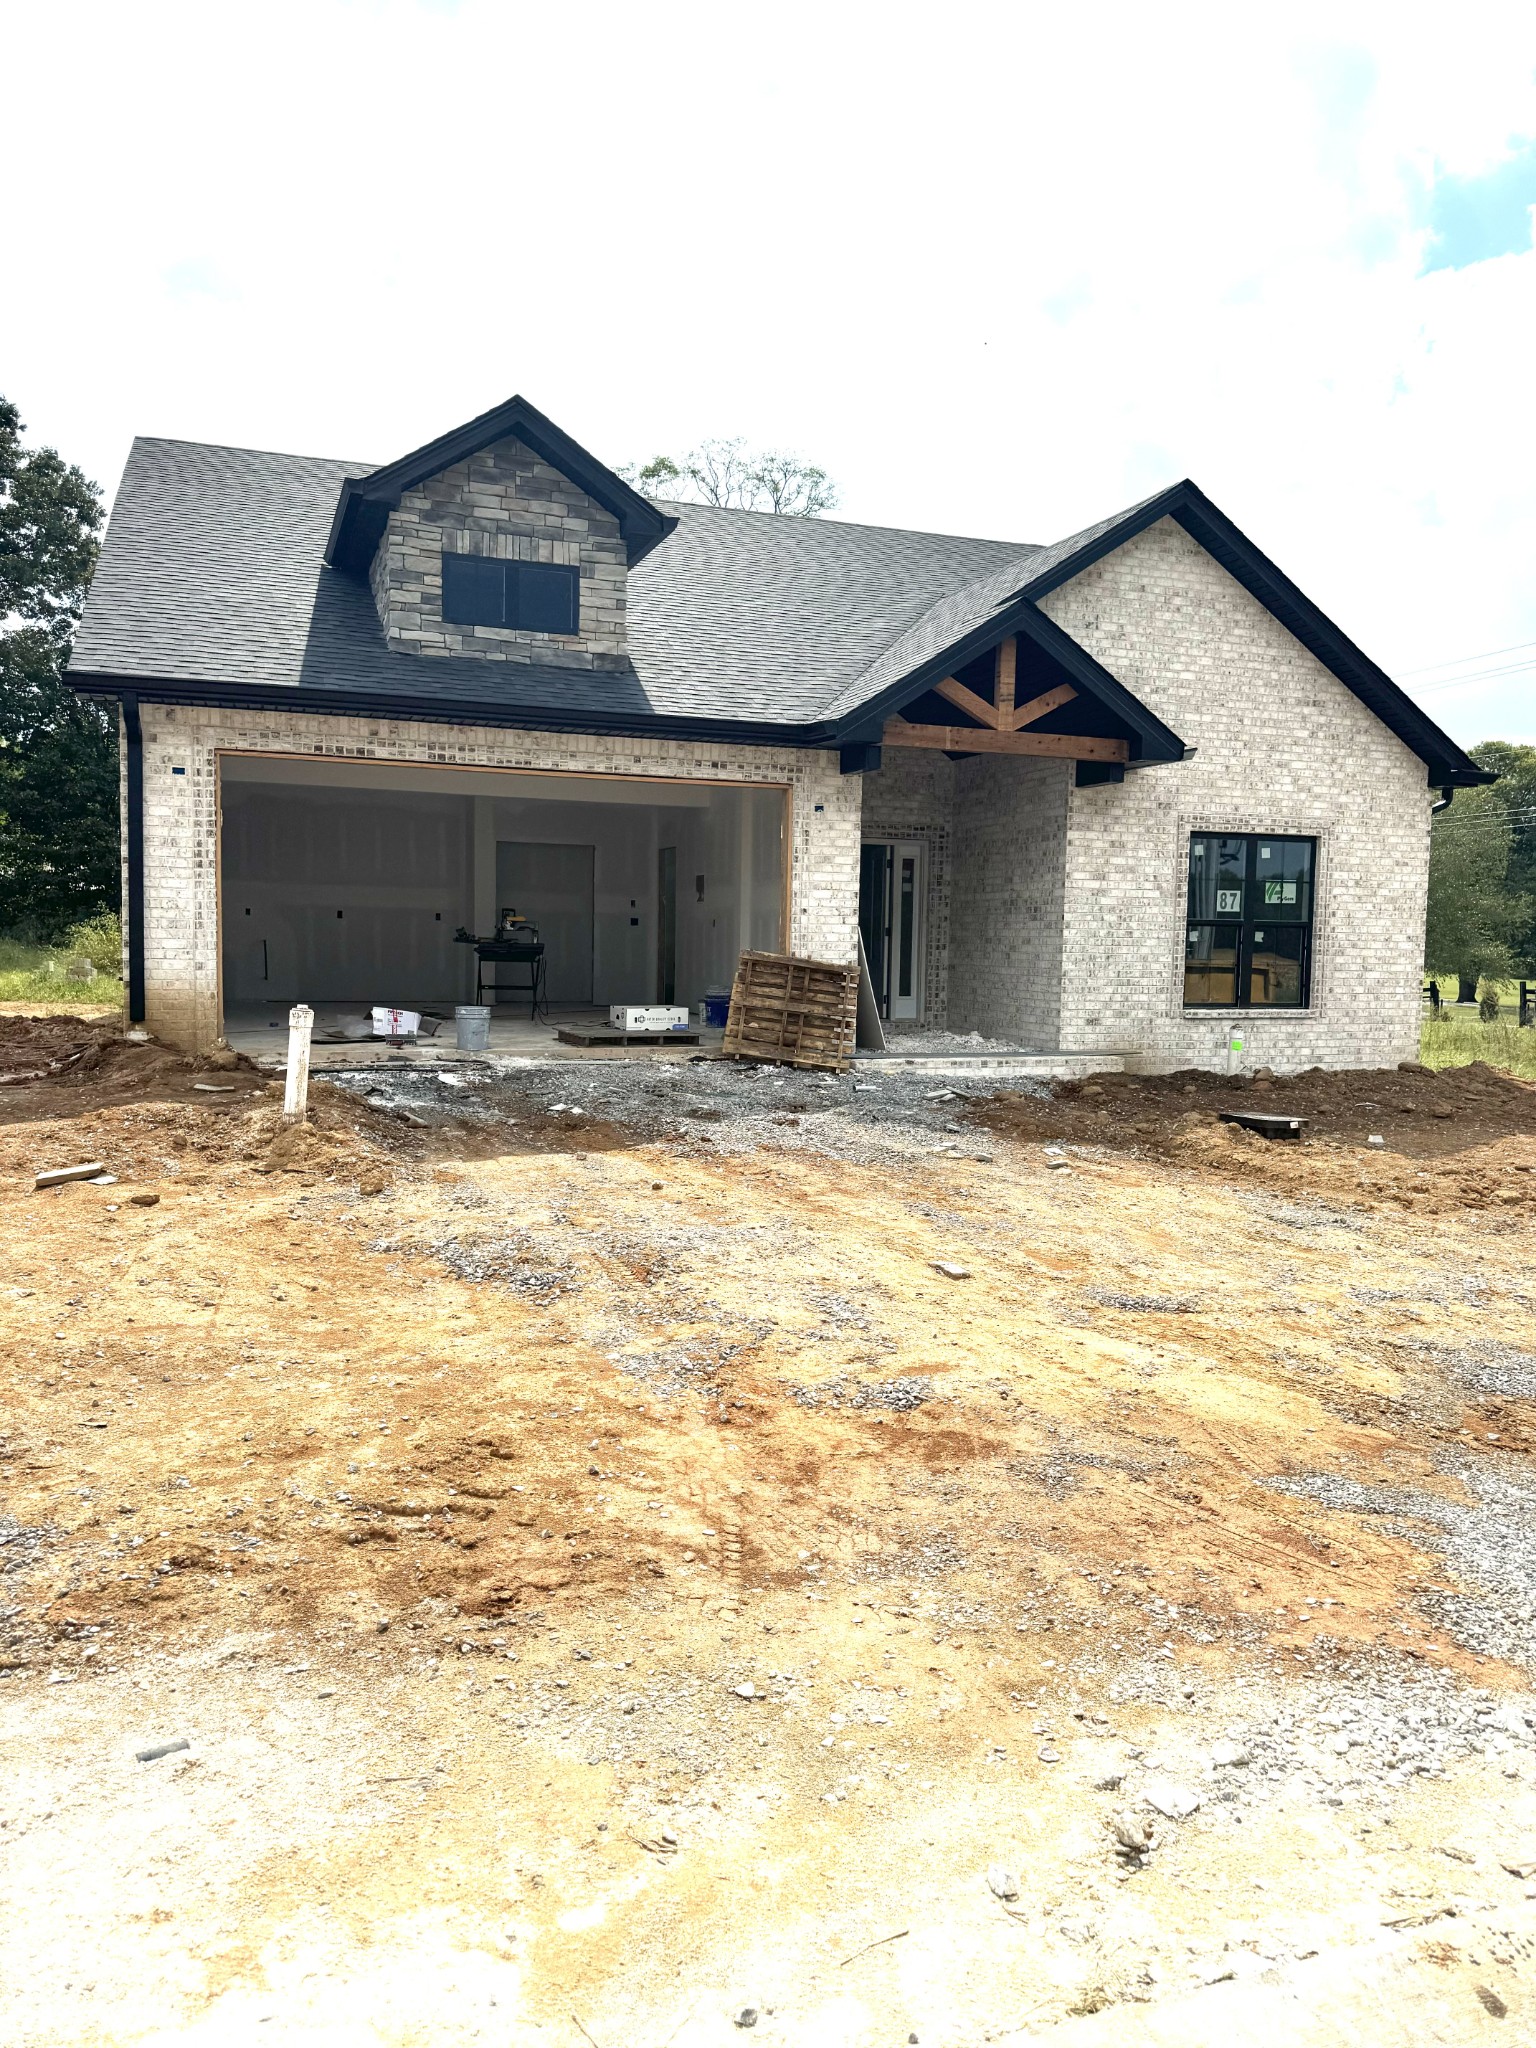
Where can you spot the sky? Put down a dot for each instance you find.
(1000, 270)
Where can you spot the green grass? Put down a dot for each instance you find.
(38, 974)
(1457, 1038)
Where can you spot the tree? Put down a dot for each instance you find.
(1474, 922)
(1515, 792)
(728, 473)
(58, 754)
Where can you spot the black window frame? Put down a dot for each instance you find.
(1250, 919)
(484, 590)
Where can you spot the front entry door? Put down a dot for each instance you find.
(891, 922)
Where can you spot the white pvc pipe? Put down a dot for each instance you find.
(301, 1021)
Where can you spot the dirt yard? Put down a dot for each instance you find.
(655, 1555)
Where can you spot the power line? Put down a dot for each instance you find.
(1489, 675)
(1476, 829)
(1487, 654)
(1493, 813)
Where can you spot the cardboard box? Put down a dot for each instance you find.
(396, 1023)
(648, 1016)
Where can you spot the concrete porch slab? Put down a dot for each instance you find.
(1038, 1066)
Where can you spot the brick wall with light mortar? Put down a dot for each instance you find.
(1005, 964)
(1283, 747)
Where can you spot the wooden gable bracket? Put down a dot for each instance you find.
(1003, 715)
(998, 728)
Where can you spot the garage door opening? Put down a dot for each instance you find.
(344, 885)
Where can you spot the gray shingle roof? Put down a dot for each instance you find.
(212, 580)
(957, 614)
(212, 574)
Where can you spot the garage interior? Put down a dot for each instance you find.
(343, 884)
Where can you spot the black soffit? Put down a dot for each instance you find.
(366, 502)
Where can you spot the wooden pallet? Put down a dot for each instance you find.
(798, 1013)
(574, 1034)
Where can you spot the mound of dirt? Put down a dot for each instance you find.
(32, 1047)
(1462, 1137)
(332, 1147)
(92, 1053)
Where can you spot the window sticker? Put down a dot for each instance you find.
(1279, 892)
(1229, 902)
(1266, 853)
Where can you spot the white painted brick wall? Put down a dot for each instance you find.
(1283, 746)
(181, 811)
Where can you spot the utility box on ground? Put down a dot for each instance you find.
(648, 1016)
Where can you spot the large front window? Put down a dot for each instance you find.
(1249, 938)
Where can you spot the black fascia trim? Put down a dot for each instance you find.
(1152, 741)
(1204, 522)
(414, 710)
(134, 854)
(355, 532)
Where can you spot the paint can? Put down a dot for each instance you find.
(472, 1026)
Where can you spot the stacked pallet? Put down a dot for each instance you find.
(799, 1013)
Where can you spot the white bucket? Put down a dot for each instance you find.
(472, 1026)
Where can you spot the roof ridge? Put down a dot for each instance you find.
(244, 448)
(984, 540)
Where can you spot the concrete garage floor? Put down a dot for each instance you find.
(260, 1032)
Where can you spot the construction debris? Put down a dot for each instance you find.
(158, 1750)
(1266, 1126)
(57, 1176)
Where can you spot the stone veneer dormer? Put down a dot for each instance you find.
(507, 502)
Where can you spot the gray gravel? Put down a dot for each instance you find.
(902, 1394)
(1486, 1367)
(729, 1106)
(1489, 1542)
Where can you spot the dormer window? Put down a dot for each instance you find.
(523, 597)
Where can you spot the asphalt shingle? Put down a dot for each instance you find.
(212, 573)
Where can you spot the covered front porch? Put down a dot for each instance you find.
(964, 833)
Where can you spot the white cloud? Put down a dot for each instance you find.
(997, 270)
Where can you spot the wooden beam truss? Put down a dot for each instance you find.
(1000, 725)
(1003, 715)
(980, 739)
